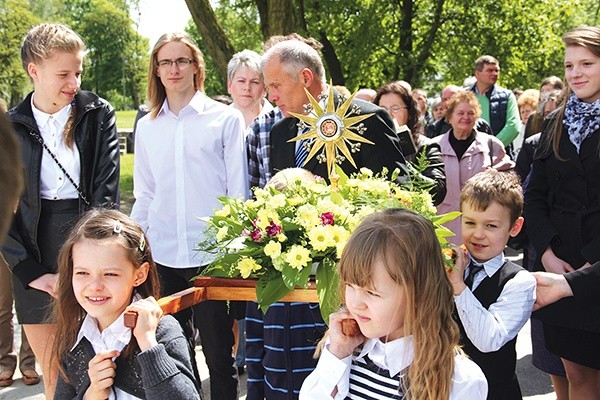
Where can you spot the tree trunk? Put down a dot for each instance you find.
(281, 19)
(216, 40)
(336, 74)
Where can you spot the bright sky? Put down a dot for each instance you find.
(159, 16)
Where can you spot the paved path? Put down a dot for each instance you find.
(534, 383)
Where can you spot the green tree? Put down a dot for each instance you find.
(15, 21)
(426, 42)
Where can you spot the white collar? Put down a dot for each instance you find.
(393, 356)
(114, 337)
(492, 265)
(42, 118)
(197, 103)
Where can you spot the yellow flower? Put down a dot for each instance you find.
(278, 263)
(276, 201)
(265, 216)
(273, 249)
(295, 200)
(222, 233)
(405, 197)
(339, 236)
(224, 212)
(281, 237)
(307, 216)
(298, 257)
(366, 172)
(246, 266)
(320, 237)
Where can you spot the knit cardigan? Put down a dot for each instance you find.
(162, 372)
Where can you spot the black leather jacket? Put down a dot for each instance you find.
(98, 144)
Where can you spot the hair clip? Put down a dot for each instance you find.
(118, 228)
(142, 244)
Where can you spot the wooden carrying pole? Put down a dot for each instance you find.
(209, 288)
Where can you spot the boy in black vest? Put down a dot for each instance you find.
(493, 296)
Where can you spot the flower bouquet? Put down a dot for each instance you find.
(284, 236)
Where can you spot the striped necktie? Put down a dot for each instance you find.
(301, 151)
(473, 270)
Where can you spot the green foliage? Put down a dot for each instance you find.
(430, 43)
(239, 20)
(15, 21)
(126, 119)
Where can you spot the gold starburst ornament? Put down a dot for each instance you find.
(333, 132)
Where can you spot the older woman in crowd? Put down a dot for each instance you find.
(246, 86)
(397, 100)
(466, 152)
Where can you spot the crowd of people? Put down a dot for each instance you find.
(521, 168)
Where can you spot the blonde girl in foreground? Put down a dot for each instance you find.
(105, 268)
(395, 287)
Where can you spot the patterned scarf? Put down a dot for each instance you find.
(582, 119)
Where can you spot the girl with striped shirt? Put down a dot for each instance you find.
(406, 346)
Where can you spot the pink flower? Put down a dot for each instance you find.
(245, 232)
(273, 229)
(327, 218)
(256, 235)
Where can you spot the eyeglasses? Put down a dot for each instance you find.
(394, 109)
(181, 63)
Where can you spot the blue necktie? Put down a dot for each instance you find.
(301, 151)
(473, 270)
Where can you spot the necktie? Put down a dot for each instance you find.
(301, 151)
(473, 270)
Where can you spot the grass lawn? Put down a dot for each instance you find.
(126, 183)
(125, 119)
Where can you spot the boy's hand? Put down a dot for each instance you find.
(102, 371)
(554, 264)
(342, 345)
(149, 315)
(550, 288)
(456, 274)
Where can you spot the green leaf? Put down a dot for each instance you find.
(293, 277)
(442, 219)
(328, 283)
(269, 290)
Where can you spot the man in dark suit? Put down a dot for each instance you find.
(291, 66)
(280, 344)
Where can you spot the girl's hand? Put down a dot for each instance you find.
(456, 274)
(341, 345)
(102, 371)
(46, 283)
(554, 264)
(149, 315)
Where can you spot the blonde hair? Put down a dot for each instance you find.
(407, 245)
(463, 96)
(156, 89)
(97, 225)
(39, 44)
(530, 97)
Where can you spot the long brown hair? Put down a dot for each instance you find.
(407, 245)
(97, 225)
(39, 44)
(156, 90)
(587, 37)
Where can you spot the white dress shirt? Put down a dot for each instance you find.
(331, 373)
(115, 337)
(490, 329)
(183, 163)
(54, 185)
